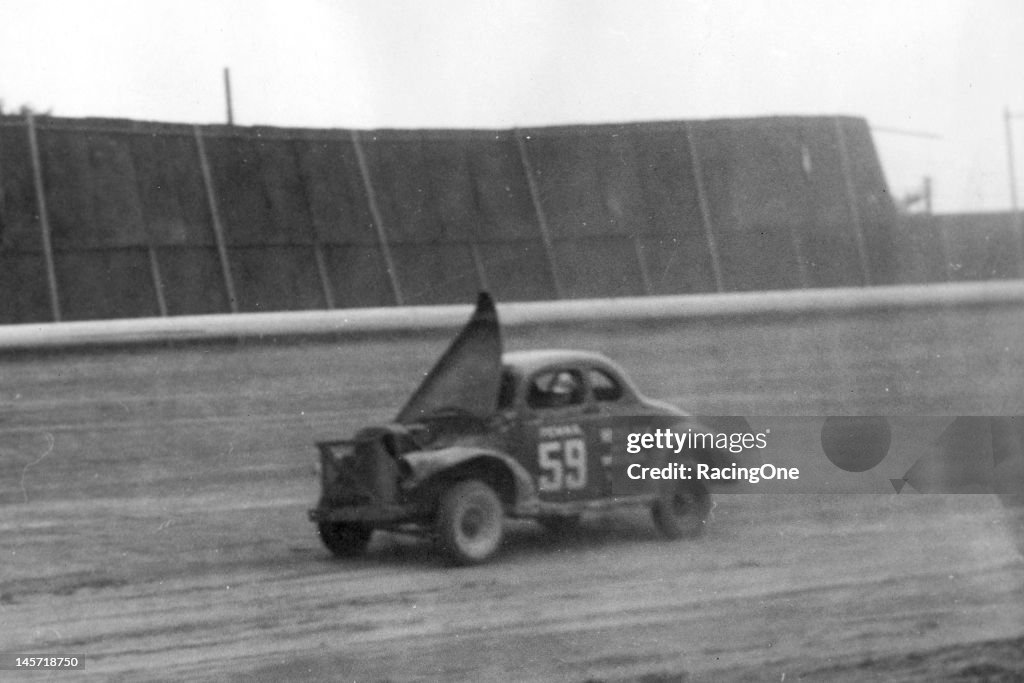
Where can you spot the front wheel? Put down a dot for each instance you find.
(345, 539)
(470, 522)
(683, 513)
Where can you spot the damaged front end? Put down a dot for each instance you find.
(367, 483)
(360, 478)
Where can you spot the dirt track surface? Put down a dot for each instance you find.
(154, 521)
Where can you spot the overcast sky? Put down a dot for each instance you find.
(944, 67)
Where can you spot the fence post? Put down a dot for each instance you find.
(481, 274)
(645, 279)
(851, 199)
(154, 261)
(705, 210)
(44, 216)
(538, 207)
(321, 267)
(218, 229)
(318, 248)
(378, 219)
(158, 282)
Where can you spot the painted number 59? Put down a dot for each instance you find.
(563, 465)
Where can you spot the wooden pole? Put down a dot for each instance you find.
(227, 96)
(378, 219)
(1018, 227)
(321, 267)
(218, 228)
(154, 262)
(158, 282)
(851, 200)
(478, 262)
(645, 279)
(44, 217)
(318, 248)
(542, 221)
(705, 211)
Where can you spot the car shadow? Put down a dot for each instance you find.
(524, 540)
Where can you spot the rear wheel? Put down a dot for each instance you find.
(345, 539)
(683, 513)
(470, 522)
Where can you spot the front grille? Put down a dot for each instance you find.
(357, 473)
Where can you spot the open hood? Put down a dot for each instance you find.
(468, 374)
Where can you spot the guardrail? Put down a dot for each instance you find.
(395, 320)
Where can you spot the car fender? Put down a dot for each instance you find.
(426, 465)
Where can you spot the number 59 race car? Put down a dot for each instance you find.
(489, 436)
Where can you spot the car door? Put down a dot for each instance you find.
(619, 416)
(561, 436)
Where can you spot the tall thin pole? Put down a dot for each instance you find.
(378, 217)
(227, 96)
(154, 260)
(1018, 229)
(542, 220)
(645, 278)
(218, 228)
(44, 216)
(321, 268)
(478, 263)
(705, 211)
(851, 200)
(158, 281)
(1008, 122)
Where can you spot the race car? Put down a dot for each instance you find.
(491, 435)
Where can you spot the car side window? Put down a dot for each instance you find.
(555, 389)
(604, 386)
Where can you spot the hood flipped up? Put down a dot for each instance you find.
(468, 375)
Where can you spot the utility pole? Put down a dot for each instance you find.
(227, 95)
(1018, 228)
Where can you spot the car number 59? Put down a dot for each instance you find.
(563, 465)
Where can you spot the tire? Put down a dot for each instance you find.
(684, 513)
(345, 539)
(560, 526)
(470, 522)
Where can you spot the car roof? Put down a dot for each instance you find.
(528, 361)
